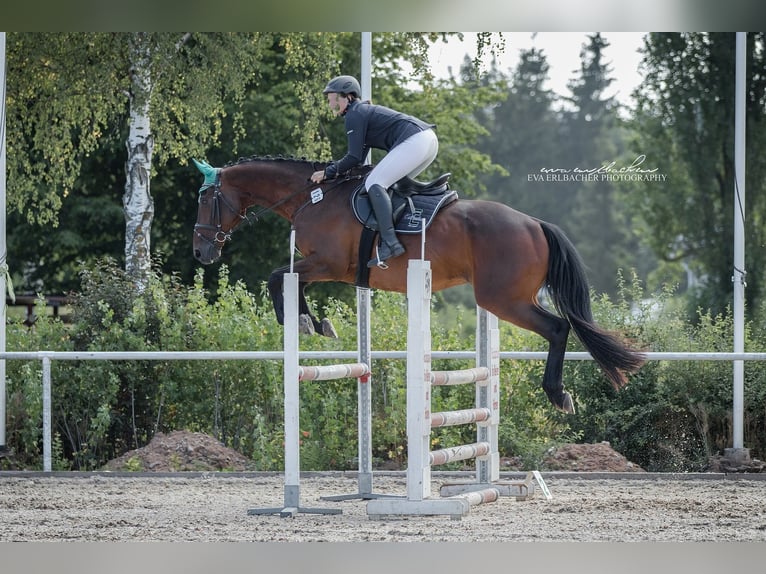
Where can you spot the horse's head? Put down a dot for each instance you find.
(280, 185)
(218, 214)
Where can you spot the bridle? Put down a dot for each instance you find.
(220, 237)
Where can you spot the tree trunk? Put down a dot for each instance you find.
(137, 200)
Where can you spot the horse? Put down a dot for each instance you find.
(507, 256)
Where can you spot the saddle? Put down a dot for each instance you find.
(407, 186)
(414, 203)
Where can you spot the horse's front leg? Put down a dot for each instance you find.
(307, 322)
(323, 327)
(275, 285)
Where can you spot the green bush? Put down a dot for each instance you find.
(671, 416)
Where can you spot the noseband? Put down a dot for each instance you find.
(220, 236)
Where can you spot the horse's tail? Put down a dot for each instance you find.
(568, 288)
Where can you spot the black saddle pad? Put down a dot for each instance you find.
(409, 212)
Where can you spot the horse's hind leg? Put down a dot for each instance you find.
(556, 334)
(555, 330)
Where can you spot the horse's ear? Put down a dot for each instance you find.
(207, 170)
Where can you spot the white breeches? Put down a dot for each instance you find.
(409, 158)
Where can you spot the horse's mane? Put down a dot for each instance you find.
(275, 158)
(302, 161)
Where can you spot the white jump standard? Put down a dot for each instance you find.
(364, 423)
(420, 419)
(293, 374)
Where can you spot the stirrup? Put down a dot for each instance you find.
(381, 263)
(377, 262)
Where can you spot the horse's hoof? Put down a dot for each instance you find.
(305, 326)
(327, 329)
(567, 405)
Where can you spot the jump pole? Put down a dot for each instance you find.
(488, 400)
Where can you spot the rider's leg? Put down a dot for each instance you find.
(389, 246)
(410, 157)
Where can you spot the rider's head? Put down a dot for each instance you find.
(341, 91)
(344, 85)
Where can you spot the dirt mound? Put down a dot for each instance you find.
(189, 451)
(181, 451)
(599, 457)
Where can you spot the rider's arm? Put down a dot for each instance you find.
(356, 127)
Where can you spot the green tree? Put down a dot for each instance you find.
(66, 91)
(280, 110)
(592, 138)
(523, 138)
(685, 115)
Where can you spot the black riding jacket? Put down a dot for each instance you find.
(372, 126)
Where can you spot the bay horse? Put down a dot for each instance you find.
(507, 256)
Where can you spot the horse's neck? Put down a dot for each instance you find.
(282, 200)
(283, 192)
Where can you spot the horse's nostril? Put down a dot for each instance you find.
(197, 254)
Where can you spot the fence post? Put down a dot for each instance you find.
(292, 399)
(47, 464)
(364, 389)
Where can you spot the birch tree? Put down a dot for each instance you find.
(137, 201)
(166, 91)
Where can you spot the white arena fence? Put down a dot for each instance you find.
(46, 357)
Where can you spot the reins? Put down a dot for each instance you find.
(312, 200)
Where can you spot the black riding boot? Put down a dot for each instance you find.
(389, 245)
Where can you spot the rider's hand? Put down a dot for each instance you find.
(317, 176)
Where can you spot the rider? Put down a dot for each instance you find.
(411, 145)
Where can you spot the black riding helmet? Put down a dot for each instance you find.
(343, 85)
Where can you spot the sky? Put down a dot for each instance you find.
(562, 50)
